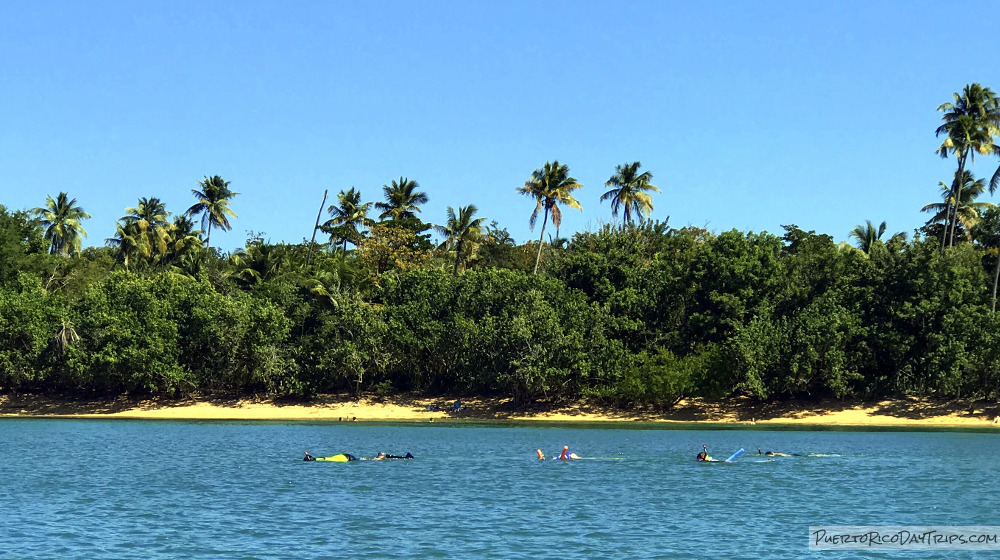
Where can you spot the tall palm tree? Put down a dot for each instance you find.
(970, 124)
(963, 207)
(149, 218)
(629, 190)
(350, 215)
(402, 200)
(61, 219)
(462, 232)
(550, 186)
(213, 205)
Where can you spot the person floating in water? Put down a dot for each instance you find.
(566, 455)
(383, 456)
(339, 458)
(773, 453)
(703, 456)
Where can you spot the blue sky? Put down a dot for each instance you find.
(750, 115)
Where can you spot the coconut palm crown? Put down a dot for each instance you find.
(630, 192)
(970, 123)
(402, 200)
(963, 206)
(462, 232)
(213, 205)
(349, 217)
(61, 219)
(550, 186)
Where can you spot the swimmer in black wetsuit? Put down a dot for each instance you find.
(308, 457)
(774, 453)
(383, 456)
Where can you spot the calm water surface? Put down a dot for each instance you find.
(130, 489)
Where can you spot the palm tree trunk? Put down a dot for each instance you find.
(316, 227)
(996, 276)
(538, 258)
(944, 226)
(957, 193)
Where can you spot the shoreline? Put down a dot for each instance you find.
(894, 413)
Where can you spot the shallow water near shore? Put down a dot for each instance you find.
(94, 489)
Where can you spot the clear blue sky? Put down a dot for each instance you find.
(750, 115)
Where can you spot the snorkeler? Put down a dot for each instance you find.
(565, 455)
(773, 453)
(703, 456)
(383, 456)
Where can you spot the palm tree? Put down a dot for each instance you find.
(260, 262)
(184, 240)
(462, 232)
(987, 234)
(969, 125)
(127, 241)
(629, 191)
(349, 216)
(401, 200)
(149, 219)
(550, 187)
(963, 208)
(868, 235)
(213, 205)
(61, 219)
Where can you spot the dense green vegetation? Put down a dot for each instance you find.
(638, 313)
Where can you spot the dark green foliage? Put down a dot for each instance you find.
(170, 335)
(29, 321)
(494, 331)
(128, 339)
(660, 380)
(734, 276)
(634, 315)
(23, 247)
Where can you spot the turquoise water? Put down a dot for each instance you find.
(129, 489)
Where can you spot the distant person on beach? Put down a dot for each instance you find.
(308, 457)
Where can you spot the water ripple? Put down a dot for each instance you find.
(109, 490)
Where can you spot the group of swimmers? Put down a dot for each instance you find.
(565, 455)
(348, 457)
(704, 456)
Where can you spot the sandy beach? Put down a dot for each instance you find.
(914, 412)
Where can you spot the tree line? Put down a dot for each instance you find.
(636, 313)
